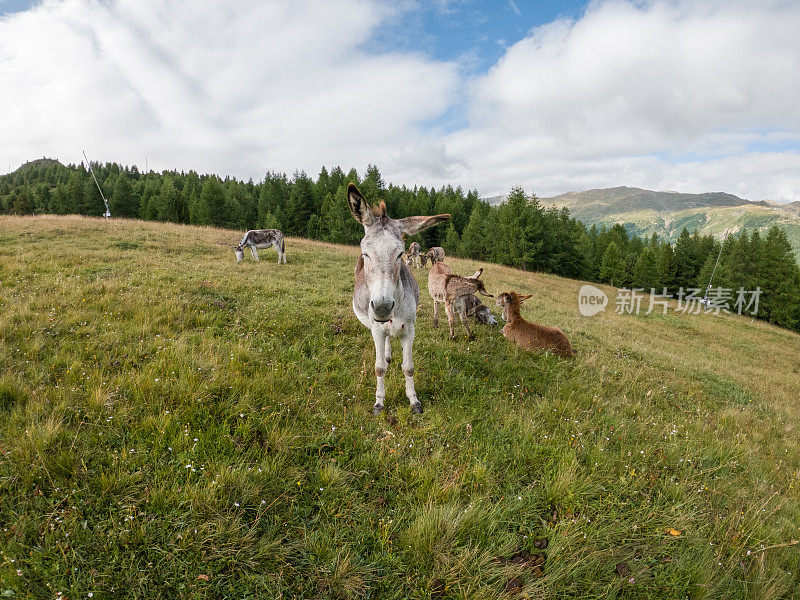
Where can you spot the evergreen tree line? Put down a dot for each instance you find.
(519, 233)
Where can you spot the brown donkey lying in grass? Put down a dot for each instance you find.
(530, 336)
(453, 290)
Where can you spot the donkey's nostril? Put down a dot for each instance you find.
(382, 309)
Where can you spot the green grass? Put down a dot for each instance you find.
(175, 426)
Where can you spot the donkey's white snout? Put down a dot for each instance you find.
(382, 309)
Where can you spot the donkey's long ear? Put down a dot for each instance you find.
(523, 298)
(478, 273)
(412, 225)
(359, 207)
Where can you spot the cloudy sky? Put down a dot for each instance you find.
(686, 95)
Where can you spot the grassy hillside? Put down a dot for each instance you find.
(173, 425)
(645, 212)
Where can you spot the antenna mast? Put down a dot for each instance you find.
(108, 212)
(705, 296)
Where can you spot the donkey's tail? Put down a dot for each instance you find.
(283, 246)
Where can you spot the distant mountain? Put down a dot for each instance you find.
(793, 207)
(495, 200)
(621, 200)
(644, 212)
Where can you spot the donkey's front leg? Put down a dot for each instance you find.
(408, 369)
(380, 338)
(462, 315)
(254, 252)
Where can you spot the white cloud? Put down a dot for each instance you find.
(684, 95)
(235, 88)
(614, 97)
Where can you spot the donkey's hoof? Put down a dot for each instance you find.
(376, 410)
(416, 409)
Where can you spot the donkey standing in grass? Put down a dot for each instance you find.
(454, 291)
(261, 238)
(435, 255)
(386, 294)
(412, 255)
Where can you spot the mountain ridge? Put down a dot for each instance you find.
(643, 212)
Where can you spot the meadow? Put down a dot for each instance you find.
(174, 425)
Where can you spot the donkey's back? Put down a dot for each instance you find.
(437, 280)
(532, 336)
(261, 238)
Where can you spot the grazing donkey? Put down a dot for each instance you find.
(261, 238)
(481, 312)
(435, 255)
(453, 290)
(386, 294)
(412, 255)
(530, 336)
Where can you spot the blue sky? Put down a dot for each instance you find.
(475, 33)
(12, 6)
(685, 95)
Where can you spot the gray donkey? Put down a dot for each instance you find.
(261, 238)
(386, 295)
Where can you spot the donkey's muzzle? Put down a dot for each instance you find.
(382, 310)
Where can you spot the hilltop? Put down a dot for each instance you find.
(39, 162)
(175, 425)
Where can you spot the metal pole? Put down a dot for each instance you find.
(108, 212)
(714, 270)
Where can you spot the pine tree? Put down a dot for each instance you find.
(668, 268)
(314, 229)
(271, 222)
(451, 243)
(213, 209)
(646, 271)
(474, 238)
(685, 260)
(74, 193)
(339, 226)
(780, 280)
(169, 204)
(372, 187)
(273, 195)
(60, 202)
(300, 205)
(92, 202)
(122, 202)
(519, 235)
(20, 203)
(321, 188)
(612, 267)
(590, 261)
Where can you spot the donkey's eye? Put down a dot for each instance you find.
(399, 256)
(365, 255)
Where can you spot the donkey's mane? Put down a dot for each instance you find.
(379, 210)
